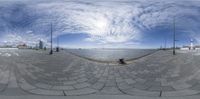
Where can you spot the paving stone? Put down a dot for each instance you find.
(95, 72)
(164, 82)
(154, 88)
(69, 82)
(111, 90)
(82, 80)
(180, 93)
(5, 77)
(193, 81)
(62, 87)
(92, 80)
(24, 85)
(82, 75)
(179, 86)
(134, 91)
(83, 91)
(141, 86)
(73, 78)
(167, 88)
(98, 85)
(103, 79)
(130, 81)
(2, 86)
(196, 87)
(153, 83)
(110, 83)
(46, 92)
(81, 85)
(141, 78)
(42, 85)
(98, 75)
(119, 79)
(124, 85)
(111, 77)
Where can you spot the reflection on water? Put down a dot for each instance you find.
(111, 54)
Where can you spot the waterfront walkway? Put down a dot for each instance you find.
(28, 72)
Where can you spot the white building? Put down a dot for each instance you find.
(190, 47)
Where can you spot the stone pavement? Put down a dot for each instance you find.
(96, 97)
(63, 74)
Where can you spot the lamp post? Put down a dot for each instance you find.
(165, 44)
(174, 38)
(51, 51)
(57, 48)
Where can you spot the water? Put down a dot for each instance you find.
(111, 54)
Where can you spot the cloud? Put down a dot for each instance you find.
(103, 22)
(28, 38)
(106, 22)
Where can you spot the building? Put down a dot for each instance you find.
(188, 47)
(22, 46)
(191, 46)
(41, 45)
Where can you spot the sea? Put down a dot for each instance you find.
(111, 54)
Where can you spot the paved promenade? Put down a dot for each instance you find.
(29, 72)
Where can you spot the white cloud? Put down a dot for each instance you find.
(117, 22)
(105, 22)
(28, 38)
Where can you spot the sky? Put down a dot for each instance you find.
(100, 23)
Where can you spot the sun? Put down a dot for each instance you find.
(101, 24)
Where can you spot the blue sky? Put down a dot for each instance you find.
(100, 24)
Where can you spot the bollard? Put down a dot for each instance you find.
(57, 49)
(51, 52)
(121, 61)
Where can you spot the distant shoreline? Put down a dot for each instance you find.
(8, 48)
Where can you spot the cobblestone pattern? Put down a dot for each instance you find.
(64, 74)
